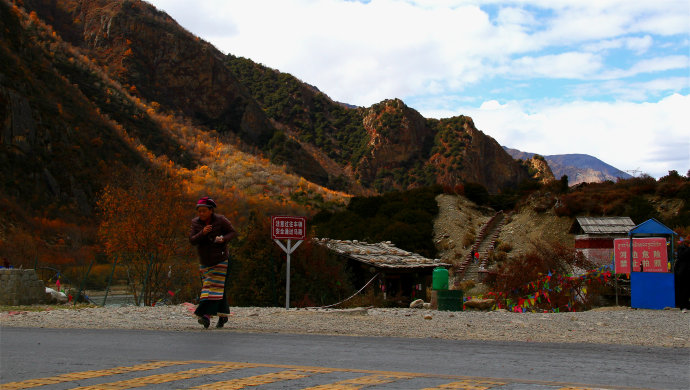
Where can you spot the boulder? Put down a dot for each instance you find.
(480, 304)
(417, 304)
(53, 296)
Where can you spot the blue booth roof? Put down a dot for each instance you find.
(651, 226)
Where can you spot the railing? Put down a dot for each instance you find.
(494, 226)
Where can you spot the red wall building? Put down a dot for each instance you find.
(595, 235)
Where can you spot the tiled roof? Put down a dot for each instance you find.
(605, 225)
(381, 255)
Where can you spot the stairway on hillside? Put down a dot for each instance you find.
(468, 269)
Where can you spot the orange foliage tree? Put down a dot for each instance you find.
(144, 224)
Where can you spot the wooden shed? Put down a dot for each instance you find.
(403, 276)
(595, 235)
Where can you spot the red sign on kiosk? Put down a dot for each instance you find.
(293, 228)
(651, 252)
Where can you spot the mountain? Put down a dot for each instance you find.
(56, 147)
(386, 146)
(580, 168)
(68, 129)
(87, 86)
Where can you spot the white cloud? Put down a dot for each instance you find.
(639, 45)
(634, 91)
(566, 65)
(651, 136)
(658, 64)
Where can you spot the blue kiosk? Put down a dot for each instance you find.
(652, 290)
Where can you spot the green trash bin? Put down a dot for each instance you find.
(439, 279)
(450, 300)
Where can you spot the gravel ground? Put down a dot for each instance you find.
(619, 325)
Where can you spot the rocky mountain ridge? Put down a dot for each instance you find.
(580, 168)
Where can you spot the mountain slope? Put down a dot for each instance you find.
(580, 168)
(66, 127)
(154, 58)
(55, 146)
(153, 66)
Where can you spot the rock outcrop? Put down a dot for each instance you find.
(486, 162)
(539, 169)
(447, 152)
(397, 138)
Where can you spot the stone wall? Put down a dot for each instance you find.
(20, 287)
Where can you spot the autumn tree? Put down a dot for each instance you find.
(144, 225)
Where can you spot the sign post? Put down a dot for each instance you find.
(290, 228)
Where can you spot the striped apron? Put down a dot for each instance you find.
(213, 278)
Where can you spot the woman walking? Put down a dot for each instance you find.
(210, 233)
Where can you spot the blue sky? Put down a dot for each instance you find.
(609, 78)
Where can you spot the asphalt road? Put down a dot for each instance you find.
(160, 360)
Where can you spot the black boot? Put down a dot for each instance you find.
(205, 321)
(221, 321)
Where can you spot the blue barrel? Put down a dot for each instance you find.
(439, 279)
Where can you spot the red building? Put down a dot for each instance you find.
(595, 235)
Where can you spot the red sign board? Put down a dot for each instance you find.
(651, 252)
(288, 227)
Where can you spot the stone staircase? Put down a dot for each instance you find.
(483, 243)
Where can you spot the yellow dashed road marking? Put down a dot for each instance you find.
(258, 380)
(468, 384)
(581, 388)
(29, 383)
(359, 383)
(289, 372)
(171, 377)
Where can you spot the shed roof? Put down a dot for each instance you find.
(651, 226)
(380, 255)
(605, 225)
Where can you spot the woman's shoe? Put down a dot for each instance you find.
(205, 320)
(221, 321)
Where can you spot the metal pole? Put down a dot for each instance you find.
(289, 249)
(287, 275)
(110, 280)
(632, 268)
(616, 288)
(146, 278)
(83, 282)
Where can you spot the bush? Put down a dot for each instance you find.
(504, 247)
(519, 278)
(468, 239)
(477, 193)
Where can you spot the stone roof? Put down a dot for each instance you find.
(605, 225)
(380, 255)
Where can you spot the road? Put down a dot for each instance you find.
(72, 358)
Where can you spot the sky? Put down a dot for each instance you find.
(608, 78)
